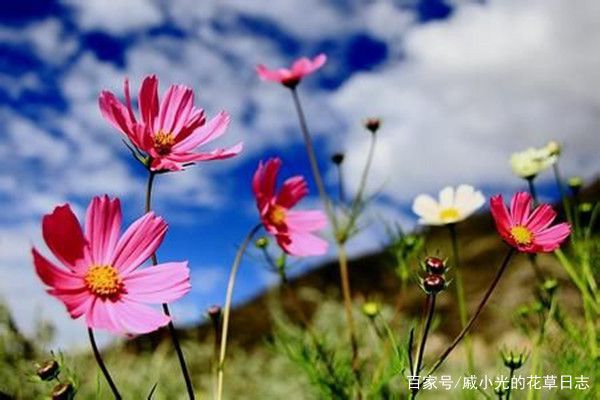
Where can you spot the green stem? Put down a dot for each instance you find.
(510, 377)
(424, 335)
(102, 366)
(480, 307)
(171, 327)
(532, 190)
(358, 199)
(460, 295)
(227, 310)
(345, 280)
(574, 275)
(563, 196)
(312, 158)
(341, 191)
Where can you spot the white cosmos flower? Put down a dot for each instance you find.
(527, 164)
(454, 205)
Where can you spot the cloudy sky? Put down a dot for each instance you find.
(459, 85)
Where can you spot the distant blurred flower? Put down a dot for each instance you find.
(169, 131)
(454, 205)
(527, 164)
(553, 148)
(528, 232)
(291, 77)
(101, 279)
(372, 124)
(575, 184)
(292, 229)
(371, 309)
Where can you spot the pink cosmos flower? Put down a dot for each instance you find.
(292, 229)
(528, 232)
(170, 131)
(291, 77)
(100, 278)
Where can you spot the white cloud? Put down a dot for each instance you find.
(116, 17)
(492, 79)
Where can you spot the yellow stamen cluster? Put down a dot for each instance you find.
(103, 280)
(449, 214)
(163, 141)
(521, 235)
(277, 215)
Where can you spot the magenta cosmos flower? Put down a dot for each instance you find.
(527, 231)
(292, 229)
(169, 131)
(100, 277)
(291, 77)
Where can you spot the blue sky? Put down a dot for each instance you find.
(459, 85)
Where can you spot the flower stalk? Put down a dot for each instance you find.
(478, 311)
(171, 327)
(227, 310)
(102, 366)
(424, 335)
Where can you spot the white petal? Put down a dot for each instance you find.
(427, 209)
(447, 197)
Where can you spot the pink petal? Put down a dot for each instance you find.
(135, 318)
(269, 75)
(196, 120)
(63, 235)
(292, 191)
(520, 207)
(305, 221)
(53, 276)
(540, 218)
(550, 239)
(162, 283)
(139, 242)
(205, 134)
(501, 215)
(118, 114)
(101, 315)
(148, 100)
(302, 244)
(217, 154)
(165, 164)
(78, 302)
(175, 109)
(263, 182)
(102, 228)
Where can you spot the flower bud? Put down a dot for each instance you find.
(214, 313)
(575, 183)
(434, 283)
(549, 286)
(586, 207)
(435, 265)
(371, 309)
(372, 124)
(48, 370)
(63, 391)
(512, 360)
(337, 158)
(554, 148)
(261, 242)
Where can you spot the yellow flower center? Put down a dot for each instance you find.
(521, 235)
(277, 215)
(449, 214)
(103, 280)
(163, 141)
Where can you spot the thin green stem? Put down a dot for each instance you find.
(227, 310)
(102, 366)
(574, 275)
(345, 278)
(357, 202)
(510, 378)
(460, 295)
(312, 158)
(341, 191)
(424, 335)
(478, 311)
(165, 307)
